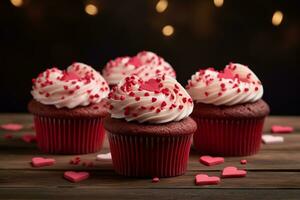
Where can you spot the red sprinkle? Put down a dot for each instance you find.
(137, 98)
(180, 107)
(153, 99)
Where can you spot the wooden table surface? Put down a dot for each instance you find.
(274, 173)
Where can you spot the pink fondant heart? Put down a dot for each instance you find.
(150, 85)
(41, 162)
(29, 138)
(282, 129)
(233, 172)
(208, 160)
(243, 162)
(155, 180)
(76, 176)
(135, 61)
(270, 139)
(203, 179)
(12, 127)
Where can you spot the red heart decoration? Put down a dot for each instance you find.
(233, 172)
(155, 180)
(12, 127)
(29, 138)
(208, 160)
(282, 129)
(203, 179)
(76, 176)
(41, 162)
(243, 162)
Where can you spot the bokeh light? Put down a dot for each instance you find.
(218, 3)
(161, 6)
(277, 18)
(17, 3)
(168, 30)
(91, 9)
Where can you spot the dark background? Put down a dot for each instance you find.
(44, 33)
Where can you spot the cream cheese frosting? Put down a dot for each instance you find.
(145, 65)
(158, 100)
(237, 84)
(79, 85)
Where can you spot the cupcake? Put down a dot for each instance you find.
(68, 108)
(145, 64)
(149, 130)
(228, 110)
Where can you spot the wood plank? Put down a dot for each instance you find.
(108, 179)
(16, 154)
(141, 194)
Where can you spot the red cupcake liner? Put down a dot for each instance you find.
(228, 137)
(149, 156)
(69, 136)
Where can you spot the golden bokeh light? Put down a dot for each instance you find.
(91, 9)
(161, 6)
(168, 30)
(17, 3)
(218, 3)
(277, 18)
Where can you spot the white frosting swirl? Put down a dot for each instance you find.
(79, 85)
(153, 66)
(116, 70)
(145, 65)
(158, 100)
(236, 85)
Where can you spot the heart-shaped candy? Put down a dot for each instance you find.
(76, 176)
(208, 160)
(12, 127)
(106, 156)
(155, 180)
(270, 139)
(233, 172)
(203, 179)
(29, 138)
(41, 162)
(243, 162)
(281, 129)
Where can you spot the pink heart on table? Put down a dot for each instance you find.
(281, 129)
(41, 162)
(29, 138)
(76, 176)
(208, 160)
(270, 139)
(243, 162)
(233, 172)
(155, 180)
(203, 179)
(12, 127)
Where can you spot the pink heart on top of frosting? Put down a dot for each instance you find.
(134, 61)
(150, 85)
(227, 74)
(70, 76)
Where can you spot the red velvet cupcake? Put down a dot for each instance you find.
(145, 65)
(229, 111)
(68, 108)
(149, 130)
